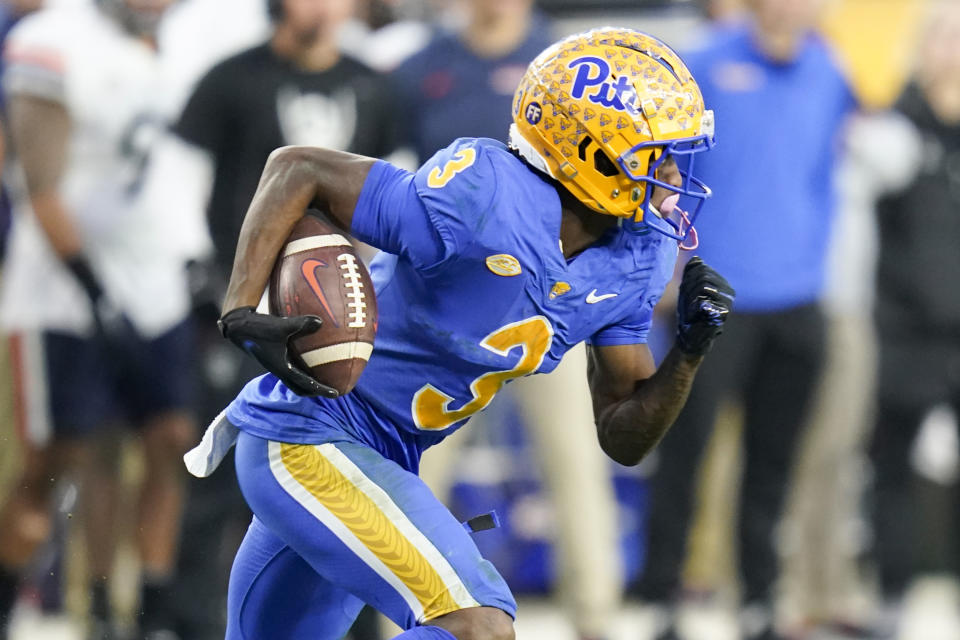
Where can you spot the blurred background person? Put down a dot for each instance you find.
(917, 306)
(384, 33)
(297, 88)
(824, 590)
(94, 294)
(781, 103)
(452, 87)
(11, 13)
(462, 84)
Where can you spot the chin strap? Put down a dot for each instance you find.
(659, 220)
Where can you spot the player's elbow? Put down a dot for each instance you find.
(625, 453)
(294, 168)
(317, 158)
(284, 158)
(625, 457)
(618, 440)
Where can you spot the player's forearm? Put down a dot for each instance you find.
(294, 179)
(630, 428)
(283, 195)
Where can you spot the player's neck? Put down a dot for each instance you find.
(495, 36)
(318, 55)
(580, 227)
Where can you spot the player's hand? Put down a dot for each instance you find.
(267, 338)
(704, 301)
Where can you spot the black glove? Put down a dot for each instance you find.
(703, 304)
(267, 338)
(113, 326)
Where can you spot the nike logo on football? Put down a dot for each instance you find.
(593, 298)
(309, 271)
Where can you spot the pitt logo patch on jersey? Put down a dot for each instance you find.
(503, 264)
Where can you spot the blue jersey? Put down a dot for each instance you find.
(790, 116)
(473, 291)
(446, 90)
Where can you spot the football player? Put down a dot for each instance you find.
(462, 84)
(95, 295)
(496, 260)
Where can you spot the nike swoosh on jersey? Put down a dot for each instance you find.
(593, 298)
(308, 269)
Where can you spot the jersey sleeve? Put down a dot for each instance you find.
(633, 329)
(390, 216)
(35, 59)
(433, 214)
(458, 186)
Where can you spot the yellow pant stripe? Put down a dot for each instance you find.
(366, 520)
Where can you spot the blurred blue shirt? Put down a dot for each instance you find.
(767, 227)
(446, 91)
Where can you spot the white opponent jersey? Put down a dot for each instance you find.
(112, 87)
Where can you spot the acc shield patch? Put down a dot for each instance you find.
(503, 264)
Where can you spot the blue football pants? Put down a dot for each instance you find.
(337, 525)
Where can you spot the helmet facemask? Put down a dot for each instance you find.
(601, 111)
(675, 218)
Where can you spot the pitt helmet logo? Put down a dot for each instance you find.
(593, 79)
(503, 264)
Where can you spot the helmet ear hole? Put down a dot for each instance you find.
(601, 162)
(582, 148)
(604, 165)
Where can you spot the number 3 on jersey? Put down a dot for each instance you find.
(463, 158)
(431, 406)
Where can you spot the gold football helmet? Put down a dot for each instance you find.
(600, 111)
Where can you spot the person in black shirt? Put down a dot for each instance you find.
(917, 310)
(296, 88)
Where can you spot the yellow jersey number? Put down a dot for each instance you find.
(462, 159)
(431, 406)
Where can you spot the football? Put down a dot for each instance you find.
(319, 273)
